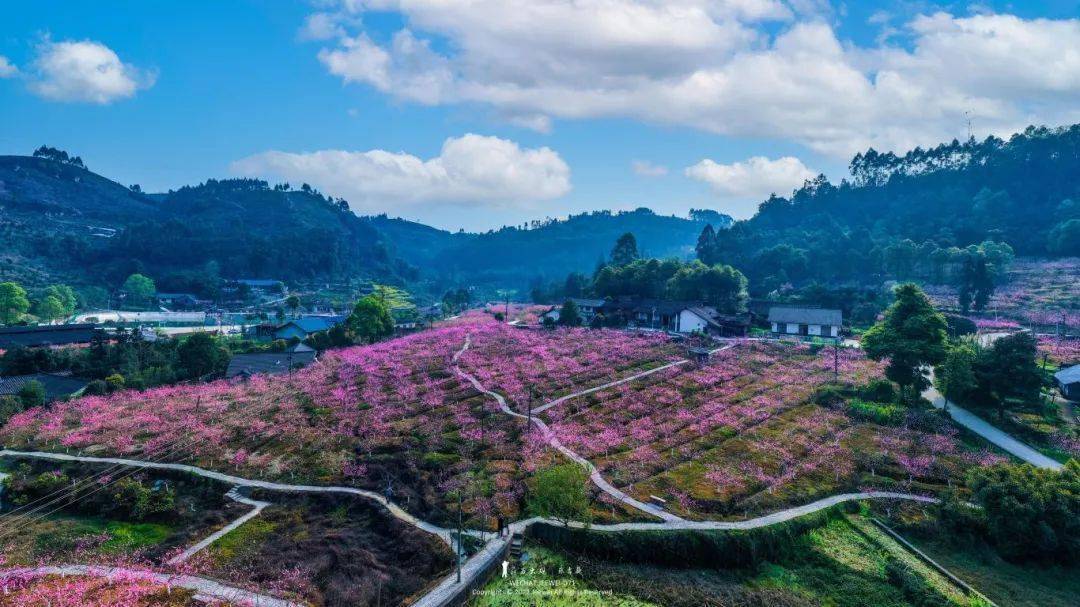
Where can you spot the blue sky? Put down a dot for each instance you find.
(689, 103)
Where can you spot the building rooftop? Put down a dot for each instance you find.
(1068, 375)
(270, 362)
(584, 301)
(807, 316)
(46, 335)
(56, 386)
(314, 324)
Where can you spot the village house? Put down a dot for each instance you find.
(661, 315)
(806, 322)
(181, 301)
(708, 320)
(301, 328)
(1068, 381)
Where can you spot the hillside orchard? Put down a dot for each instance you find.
(740, 434)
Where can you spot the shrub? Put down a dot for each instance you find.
(881, 413)
(115, 382)
(878, 391)
(32, 394)
(1031, 513)
(97, 387)
(25, 486)
(957, 326)
(133, 500)
(832, 394)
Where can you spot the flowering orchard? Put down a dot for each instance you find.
(1059, 351)
(737, 433)
(391, 416)
(740, 434)
(1042, 293)
(538, 365)
(85, 591)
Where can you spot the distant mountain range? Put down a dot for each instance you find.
(61, 221)
(550, 248)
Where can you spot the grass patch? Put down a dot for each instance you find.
(132, 536)
(837, 563)
(1005, 583)
(244, 538)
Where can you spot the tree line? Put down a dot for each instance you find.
(627, 273)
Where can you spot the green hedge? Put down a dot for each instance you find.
(880, 413)
(684, 548)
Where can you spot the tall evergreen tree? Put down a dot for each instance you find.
(706, 246)
(569, 315)
(911, 335)
(625, 251)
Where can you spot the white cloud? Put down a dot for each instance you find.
(85, 71)
(7, 69)
(717, 66)
(745, 184)
(321, 26)
(645, 168)
(472, 170)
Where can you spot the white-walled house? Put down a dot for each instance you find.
(808, 322)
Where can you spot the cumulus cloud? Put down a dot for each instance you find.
(321, 26)
(645, 168)
(744, 184)
(760, 68)
(7, 69)
(85, 71)
(472, 170)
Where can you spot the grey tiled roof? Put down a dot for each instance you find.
(807, 316)
(269, 362)
(45, 335)
(1070, 375)
(56, 386)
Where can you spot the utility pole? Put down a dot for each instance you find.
(528, 418)
(459, 550)
(836, 360)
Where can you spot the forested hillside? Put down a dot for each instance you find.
(60, 220)
(900, 216)
(548, 248)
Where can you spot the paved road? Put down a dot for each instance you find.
(205, 589)
(984, 429)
